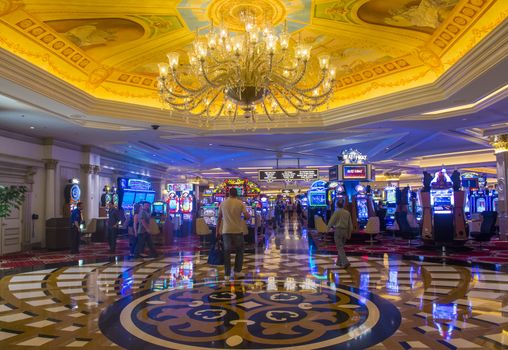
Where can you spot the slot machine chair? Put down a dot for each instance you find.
(202, 230)
(90, 229)
(372, 228)
(487, 228)
(405, 229)
(321, 228)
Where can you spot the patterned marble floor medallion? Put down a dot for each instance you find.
(251, 314)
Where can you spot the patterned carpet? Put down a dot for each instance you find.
(493, 252)
(89, 252)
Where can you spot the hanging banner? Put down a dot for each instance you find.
(288, 175)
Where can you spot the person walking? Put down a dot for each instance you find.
(76, 220)
(143, 232)
(114, 221)
(299, 212)
(231, 227)
(133, 228)
(341, 220)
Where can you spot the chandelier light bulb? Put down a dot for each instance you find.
(324, 61)
(212, 40)
(253, 36)
(237, 42)
(284, 40)
(163, 69)
(200, 49)
(173, 59)
(332, 71)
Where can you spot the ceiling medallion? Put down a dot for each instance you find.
(255, 71)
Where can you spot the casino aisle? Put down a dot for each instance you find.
(290, 297)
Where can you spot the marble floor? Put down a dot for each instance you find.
(289, 297)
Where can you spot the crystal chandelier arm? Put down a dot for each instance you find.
(266, 111)
(207, 78)
(300, 75)
(236, 113)
(168, 91)
(281, 106)
(209, 104)
(311, 105)
(318, 84)
(307, 100)
(185, 88)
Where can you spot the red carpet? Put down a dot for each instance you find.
(494, 252)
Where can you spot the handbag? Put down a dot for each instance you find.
(153, 227)
(216, 254)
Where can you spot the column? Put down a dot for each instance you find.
(50, 166)
(27, 238)
(96, 191)
(500, 144)
(87, 190)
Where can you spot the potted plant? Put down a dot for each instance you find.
(11, 197)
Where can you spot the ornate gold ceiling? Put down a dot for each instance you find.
(111, 48)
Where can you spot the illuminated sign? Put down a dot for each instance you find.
(186, 187)
(288, 175)
(353, 156)
(354, 172)
(138, 184)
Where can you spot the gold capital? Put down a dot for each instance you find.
(50, 164)
(87, 168)
(499, 142)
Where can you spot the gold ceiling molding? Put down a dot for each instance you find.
(29, 37)
(227, 12)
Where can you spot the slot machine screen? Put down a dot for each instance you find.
(363, 212)
(128, 198)
(480, 205)
(390, 197)
(158, 208)
(442, 201)
(317, 199)
(140, 196)
(150, 197)
(469, 183)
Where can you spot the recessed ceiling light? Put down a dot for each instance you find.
(210, 144)
(32, 127)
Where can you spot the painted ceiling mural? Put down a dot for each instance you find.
(379, 46)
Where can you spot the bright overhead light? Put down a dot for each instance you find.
(32, 127)
(469, 105)
(255, 72)
(218, 173)
(210, 144)
(255, 167)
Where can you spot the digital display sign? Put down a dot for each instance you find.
(288, 175)
(354, 172)
(184, 187)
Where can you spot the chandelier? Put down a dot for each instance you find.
(252, 73)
